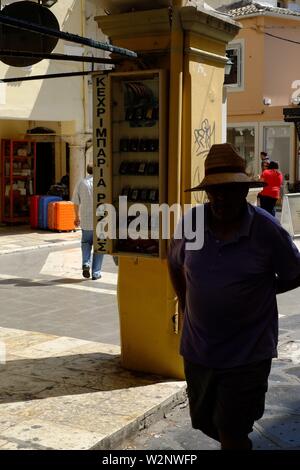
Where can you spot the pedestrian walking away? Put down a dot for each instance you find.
(265, 160)
(83, 200)
(271, 192)
(227, 293)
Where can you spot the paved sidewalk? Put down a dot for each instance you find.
(23, 238)
(59, 392)
(67, 393)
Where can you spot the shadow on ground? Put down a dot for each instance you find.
(30, 379)
(22, 282)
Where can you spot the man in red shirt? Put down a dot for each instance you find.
(271, 192)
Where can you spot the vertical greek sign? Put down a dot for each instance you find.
(102, 155)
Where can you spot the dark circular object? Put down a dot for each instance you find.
(20, 40)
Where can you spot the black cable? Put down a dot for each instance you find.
(64, 57)
(38, 28)
(43, 77)
(282, 39)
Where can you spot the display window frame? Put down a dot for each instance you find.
(18, 178)
(137, 153)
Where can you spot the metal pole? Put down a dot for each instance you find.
(21, 24)
(73, 58)
(43, 77)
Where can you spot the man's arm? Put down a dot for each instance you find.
(77, 218)
(178, 281)
(76, 202)
(285, 286)
(286, 259)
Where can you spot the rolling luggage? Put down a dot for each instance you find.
(61, 216)
(43, 209)
(51, 207)
(34, 211)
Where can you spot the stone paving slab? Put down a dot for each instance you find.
(282, 429)
(23, 238)
(66, 393)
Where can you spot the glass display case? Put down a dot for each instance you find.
(18, 178)
(138, 159)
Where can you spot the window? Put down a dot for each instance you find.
(234, 53)
(277, 143)
(243, 139)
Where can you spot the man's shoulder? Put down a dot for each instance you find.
(265, 221)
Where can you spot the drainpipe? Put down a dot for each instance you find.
(84, 85)
(175, 110)
(175, 130)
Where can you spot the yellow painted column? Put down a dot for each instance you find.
(148, 340)
(190, 45)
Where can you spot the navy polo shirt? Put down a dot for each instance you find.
(231, 315)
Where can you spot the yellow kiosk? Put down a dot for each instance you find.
(155, 119)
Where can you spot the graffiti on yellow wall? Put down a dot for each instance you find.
(204, 138)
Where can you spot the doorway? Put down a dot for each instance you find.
(45, 166)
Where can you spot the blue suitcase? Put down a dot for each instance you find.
(43, 209)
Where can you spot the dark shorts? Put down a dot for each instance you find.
(227, 400)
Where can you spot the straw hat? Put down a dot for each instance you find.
(223, 165)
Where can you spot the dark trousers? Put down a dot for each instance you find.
(268, 204)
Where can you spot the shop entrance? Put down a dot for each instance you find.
(45, 166)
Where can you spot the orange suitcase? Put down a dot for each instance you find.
(61, 216)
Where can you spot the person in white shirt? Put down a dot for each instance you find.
(265, 161)
(83, 200)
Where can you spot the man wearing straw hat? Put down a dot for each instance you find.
(227, 291)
